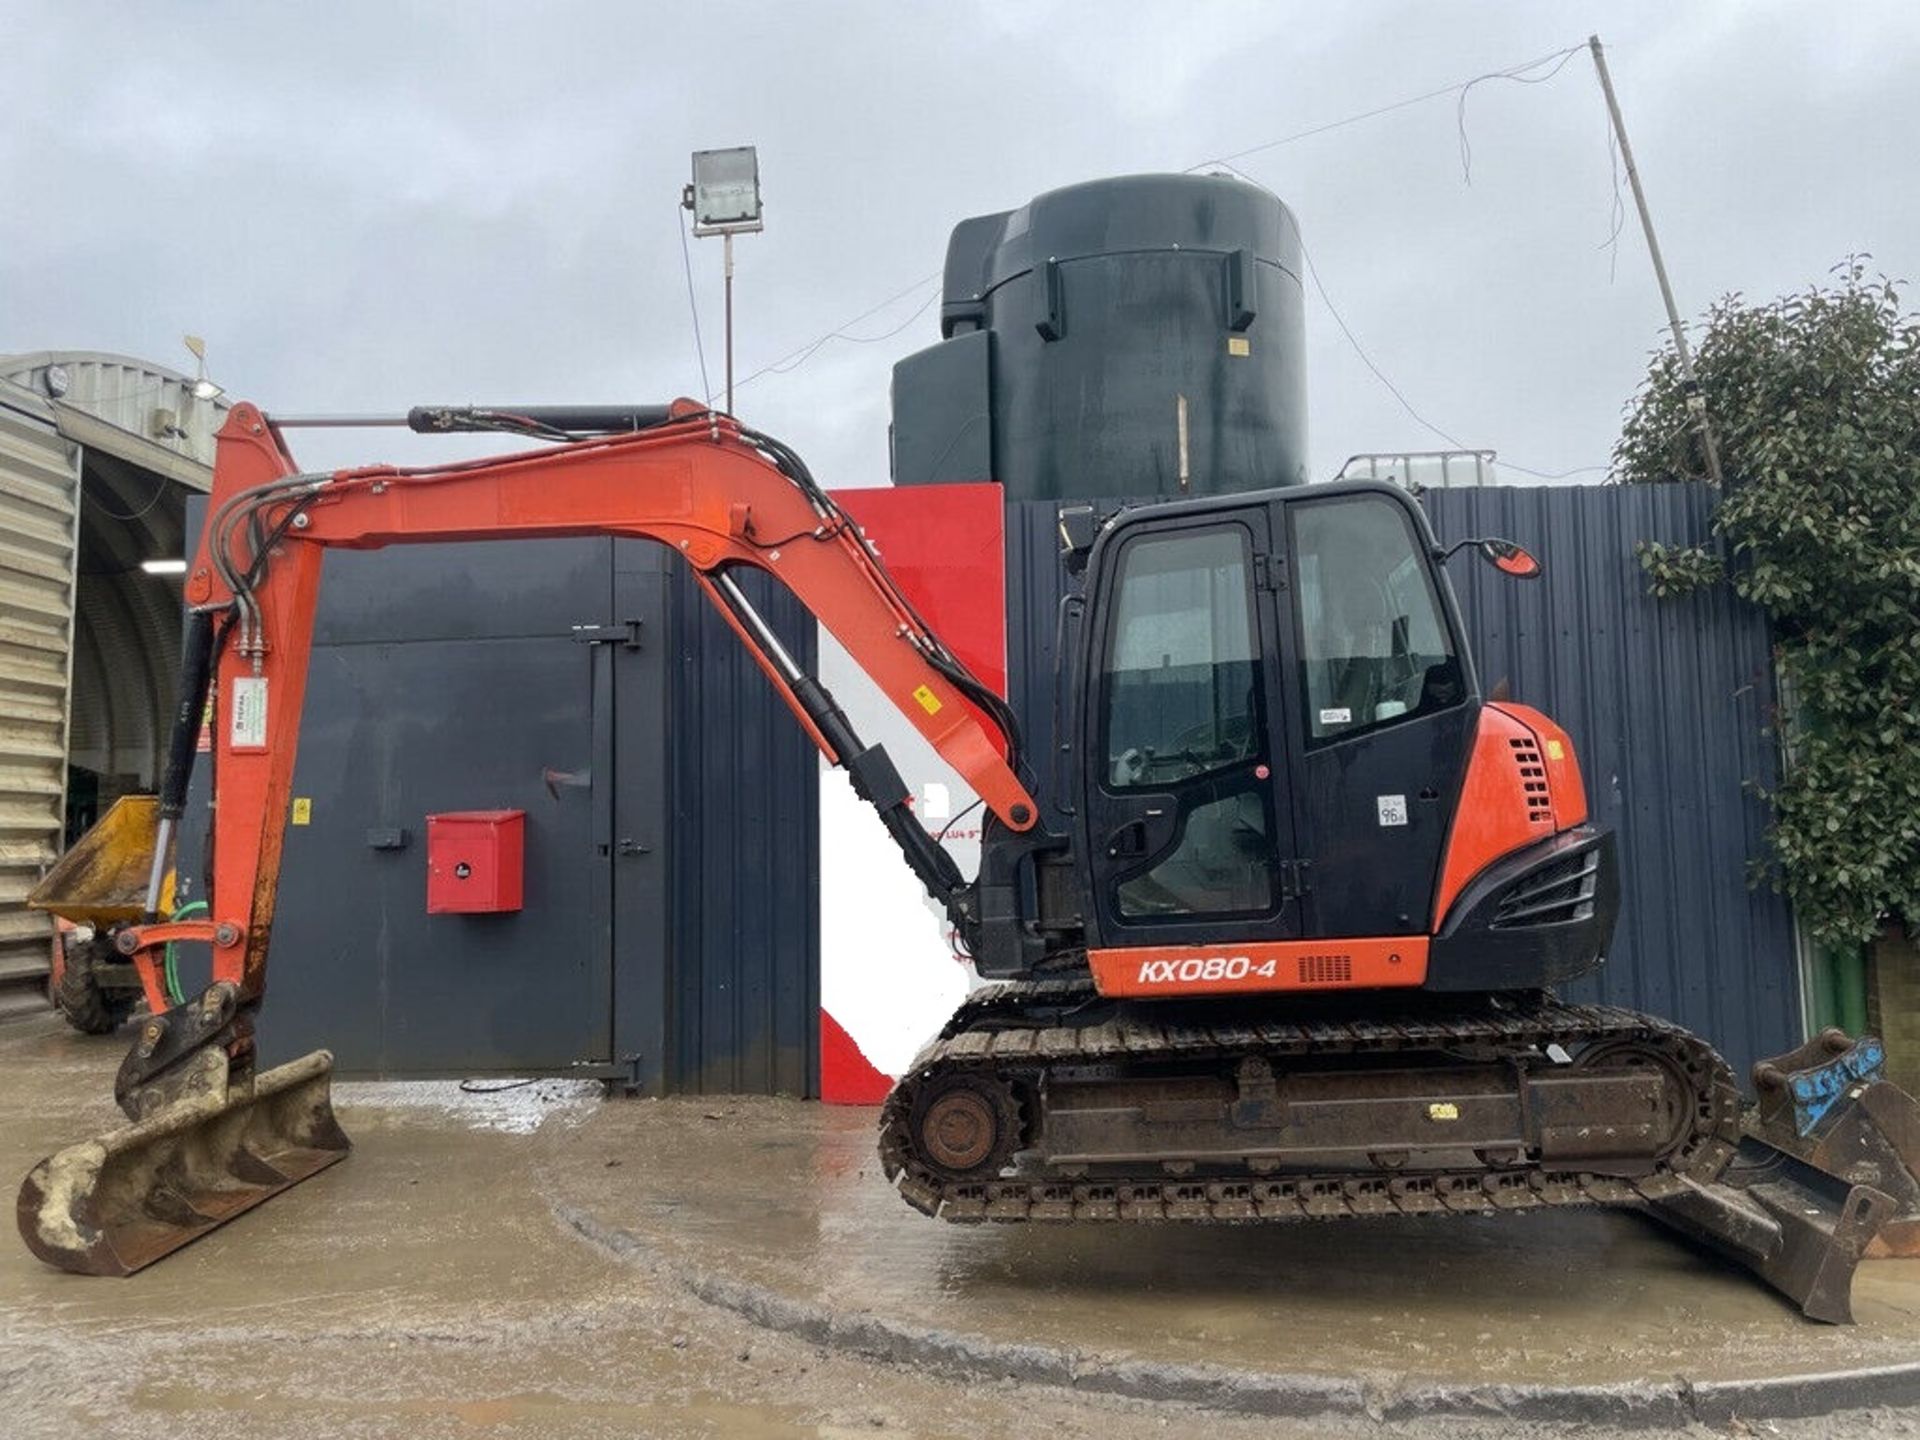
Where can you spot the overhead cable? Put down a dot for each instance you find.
(693, 307)
(1459, 87)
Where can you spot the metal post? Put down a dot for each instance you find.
(728, 241)
(1696, 401)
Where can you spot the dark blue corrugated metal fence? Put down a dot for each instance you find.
(1669, 702)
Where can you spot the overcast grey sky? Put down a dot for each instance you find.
(364, 206)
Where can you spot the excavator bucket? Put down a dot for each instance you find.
(117, 1203)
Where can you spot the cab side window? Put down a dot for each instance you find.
(1184, 715)
(1182, 681)
(1374, 648)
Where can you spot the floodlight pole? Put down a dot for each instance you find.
(727, 176)
(1696, 399)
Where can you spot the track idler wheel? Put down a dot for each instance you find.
(966, 1127)
(1699, 1119)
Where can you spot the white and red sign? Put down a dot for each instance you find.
(889, 972)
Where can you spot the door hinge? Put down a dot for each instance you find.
(625, 633)
(624, 1072)
(1295, 881)
(1269, 572)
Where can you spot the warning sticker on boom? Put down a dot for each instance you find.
(929, 701)
(247, 727)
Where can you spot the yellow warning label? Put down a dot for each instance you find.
(302, 810)
(1555, 750)
(1443, 1110)
(929, 701)
(1239, 345)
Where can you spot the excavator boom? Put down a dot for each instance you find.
(699, 484)
(211, 1138)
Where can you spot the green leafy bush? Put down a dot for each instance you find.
(1815, 402)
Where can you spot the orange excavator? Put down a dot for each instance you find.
(1292, 958)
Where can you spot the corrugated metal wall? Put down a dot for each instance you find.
(39, 533)
(1668, 702)
(97, 454)
(144, 412)
(745, 820)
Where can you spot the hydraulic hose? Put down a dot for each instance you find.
(196, 674)
(175, 995)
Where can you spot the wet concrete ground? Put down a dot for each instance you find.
(533, 1264)
(1575, 1296)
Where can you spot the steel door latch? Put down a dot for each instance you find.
(624, 633)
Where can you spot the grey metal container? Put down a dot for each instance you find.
(1141, 335)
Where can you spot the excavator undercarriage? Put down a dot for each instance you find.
(1046, 1102)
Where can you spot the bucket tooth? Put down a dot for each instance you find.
(120, 1201)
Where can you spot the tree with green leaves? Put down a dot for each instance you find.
(1815, 405)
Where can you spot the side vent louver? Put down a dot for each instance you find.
(1557, 894)
(1533, 779)
(1326, 969)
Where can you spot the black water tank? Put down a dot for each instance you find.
(1089, 331)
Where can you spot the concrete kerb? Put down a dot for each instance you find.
(1663, 1403)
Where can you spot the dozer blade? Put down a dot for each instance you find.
(1799, 1229)
(117, 1203)
(1828, 1172)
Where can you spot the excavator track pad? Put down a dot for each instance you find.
(117, 1203)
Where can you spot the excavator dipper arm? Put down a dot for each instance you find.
(211, 1138)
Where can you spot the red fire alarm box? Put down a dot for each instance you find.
(474, 861)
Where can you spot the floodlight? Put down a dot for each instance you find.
(202, 388)
(164, 567)
(725, 194)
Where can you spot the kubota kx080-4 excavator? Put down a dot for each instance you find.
(1290, 959)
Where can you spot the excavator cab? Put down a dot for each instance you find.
(1284, 774)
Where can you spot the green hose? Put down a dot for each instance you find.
(174, 995)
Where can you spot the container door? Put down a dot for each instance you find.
(445, 678)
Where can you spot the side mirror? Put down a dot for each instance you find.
(1511, 559)
(1078, 528)
(1505, 556)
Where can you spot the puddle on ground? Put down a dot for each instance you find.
(533, 1410)
(512, 1107)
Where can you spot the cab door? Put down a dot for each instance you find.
(1383, 708)
(1186, 828)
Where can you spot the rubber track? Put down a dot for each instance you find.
(1016, 1030)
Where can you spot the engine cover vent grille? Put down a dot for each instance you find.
(1326, 969)
(1559, 893)
(1533, 779)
